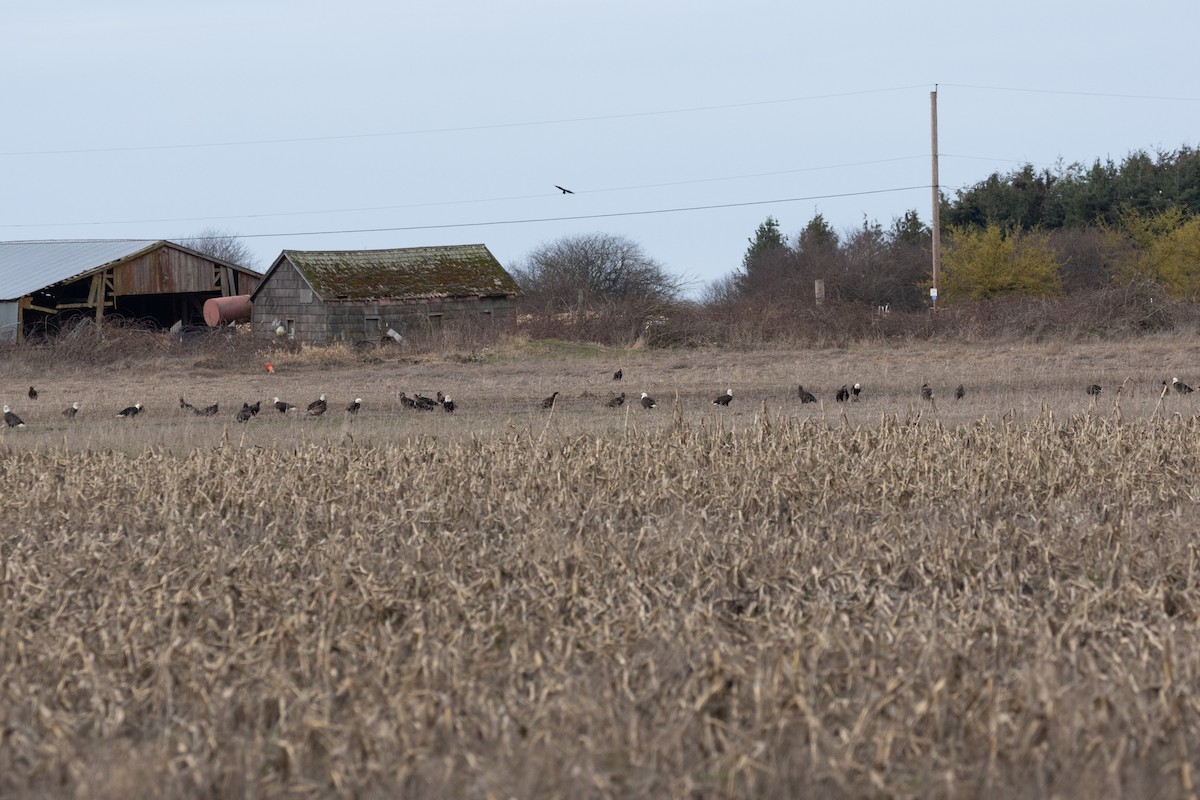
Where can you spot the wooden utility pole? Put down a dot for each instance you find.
(935, 290)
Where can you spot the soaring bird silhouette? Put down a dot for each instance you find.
(561, 189)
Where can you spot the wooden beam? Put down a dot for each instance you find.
(61, 306)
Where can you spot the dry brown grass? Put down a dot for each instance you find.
(889, 599)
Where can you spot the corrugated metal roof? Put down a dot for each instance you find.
(468, 270)
(26, 267)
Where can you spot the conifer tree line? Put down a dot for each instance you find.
(1039, 233)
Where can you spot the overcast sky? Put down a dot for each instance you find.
(682, 125)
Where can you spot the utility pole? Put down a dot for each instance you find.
(935, 290)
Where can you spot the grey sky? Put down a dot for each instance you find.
(287, 121)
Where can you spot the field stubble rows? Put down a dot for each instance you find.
(767, 603)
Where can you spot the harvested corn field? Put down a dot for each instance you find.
(786, 606)
(987, 597)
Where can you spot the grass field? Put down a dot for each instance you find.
(988, 598)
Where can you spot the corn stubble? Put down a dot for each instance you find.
(790, 609)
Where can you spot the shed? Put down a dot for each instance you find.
(45, 284)
(357, 295)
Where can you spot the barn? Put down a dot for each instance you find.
(320, 297)
(45, 285)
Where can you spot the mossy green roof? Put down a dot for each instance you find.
(411, 273)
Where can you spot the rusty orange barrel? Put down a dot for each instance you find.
(224, 310)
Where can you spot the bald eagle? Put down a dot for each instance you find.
(855, 390)
(317, 407)
(549, 401)
(244, 413)
(70, 411)
(355, 406)
(1094, 390)
(130, 411)
(448, 405)
(843, 394)
(724, 399)
(960, 392)
(11, 419)
(926, 392)
(282, 407)
(617, 401)
(806, 396)
(32, 393)
(618, 375)
(1178, 385)
(648, 401)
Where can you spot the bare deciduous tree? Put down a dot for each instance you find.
(594, 268)
(220, 244)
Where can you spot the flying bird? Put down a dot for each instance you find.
(724, 399)
(561, 189)
(130, 411)
(282, 407)
(32, 393)
(618, 375)
(448, 405)
(317, 407)
(926, 392)
(70, 411)
(855, 390)
(1094, 390)
(648, 401)
(843, 394)
(617, 401)
(355, 406)
(960, 392)
(549, 401)
(1178, 385)
(806, 396)
(11, 419)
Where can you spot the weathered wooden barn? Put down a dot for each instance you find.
(47, 284)
(357, 295)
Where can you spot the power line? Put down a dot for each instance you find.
(575, 218)
(458, 129)
(262, 215)
(1112, 95)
